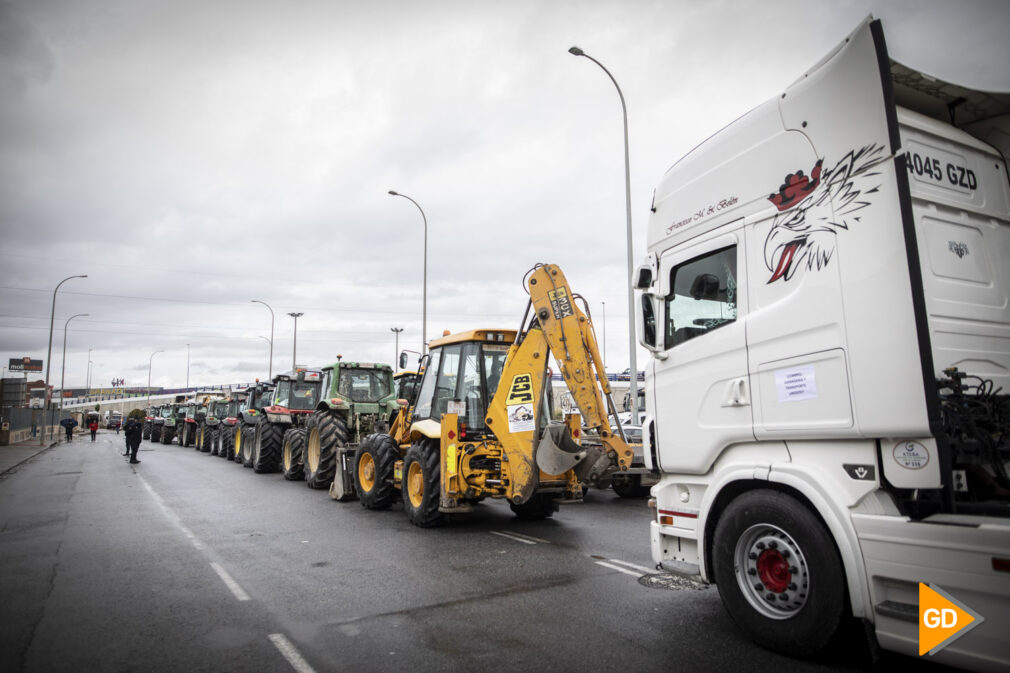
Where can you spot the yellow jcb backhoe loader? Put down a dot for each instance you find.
(481, 424)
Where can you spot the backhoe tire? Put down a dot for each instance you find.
(538, 507)
(630, 486)
(421, 484)
(248, 445)
(267, 450)
(155, 435)
(373, 471)
(778, 572)
(326, 431)
(292, 454)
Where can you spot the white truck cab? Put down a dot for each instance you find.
(826, 298)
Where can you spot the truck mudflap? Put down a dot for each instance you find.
(342, 488)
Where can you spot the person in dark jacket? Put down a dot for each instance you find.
(133, 431)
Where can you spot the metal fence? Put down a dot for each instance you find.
(22, 418)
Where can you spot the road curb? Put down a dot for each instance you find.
(24, 460)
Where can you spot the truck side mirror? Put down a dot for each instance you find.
(643, 278)
(649, 317)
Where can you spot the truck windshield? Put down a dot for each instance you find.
(364, 385)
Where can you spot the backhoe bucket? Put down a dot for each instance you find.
(557, 452)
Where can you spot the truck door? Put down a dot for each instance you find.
(702, 389)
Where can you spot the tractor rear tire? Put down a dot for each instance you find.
(373, 471)
(267, 450)
(155, 435)
(421, 484)
(225, 438)
(248, 445)
(292, 454)
(146, 434)
(538, 507)
(167, 435)
(326, 432)
(236, 443)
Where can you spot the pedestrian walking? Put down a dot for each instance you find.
(133, 431)
(93, 426)
(68, 425)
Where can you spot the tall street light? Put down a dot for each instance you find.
(396, 355)
(150, 361)
(424, 298)
(294, 352)
(63, 366)
(187, 367)
(257, 301)
(632, 345)
(49, 355)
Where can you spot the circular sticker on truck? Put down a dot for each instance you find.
(911, 455)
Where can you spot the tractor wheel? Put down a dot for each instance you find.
(198, 445)
(248, 445)
(155, 435)
(326, 432)
(167, 435)
(373, 471)
(292, 458)
(778, 572)
(630, 486)
(421, 482)
(147, 430)
(236, 443)
(538, 507)
(225, 437)
(267, 451)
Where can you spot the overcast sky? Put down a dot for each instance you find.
(192, 156)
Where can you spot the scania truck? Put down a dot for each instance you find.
(826, 298)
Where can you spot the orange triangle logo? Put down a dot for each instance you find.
(942, 619)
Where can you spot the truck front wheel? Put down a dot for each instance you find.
(778, 572)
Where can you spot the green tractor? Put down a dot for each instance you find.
(191, 417)
(249, 414)
(172, 415)
(358, 400)
(283, 419)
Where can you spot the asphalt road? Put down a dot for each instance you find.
(190, 562)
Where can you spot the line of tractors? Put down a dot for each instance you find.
(445, 437)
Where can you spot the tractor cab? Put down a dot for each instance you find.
(299, 390)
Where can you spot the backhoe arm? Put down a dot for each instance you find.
(571, 338)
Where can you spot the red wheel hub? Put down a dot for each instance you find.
(773, 569)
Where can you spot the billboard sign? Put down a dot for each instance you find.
(25, 364)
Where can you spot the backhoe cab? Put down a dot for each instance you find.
(481, 425)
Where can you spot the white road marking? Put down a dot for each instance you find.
(646, 571)
(513, 537)
(291, 653)
(229, 582)
(618, 569)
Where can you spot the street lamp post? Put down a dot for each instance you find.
(424, 297)
(632, 345)
(294, 352)
(49, 355)
(150, 361)
(187, 368)
(396, 355)
(63, 365)
(257, 301)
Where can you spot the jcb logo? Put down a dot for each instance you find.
(521, 391)
(942, 619)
